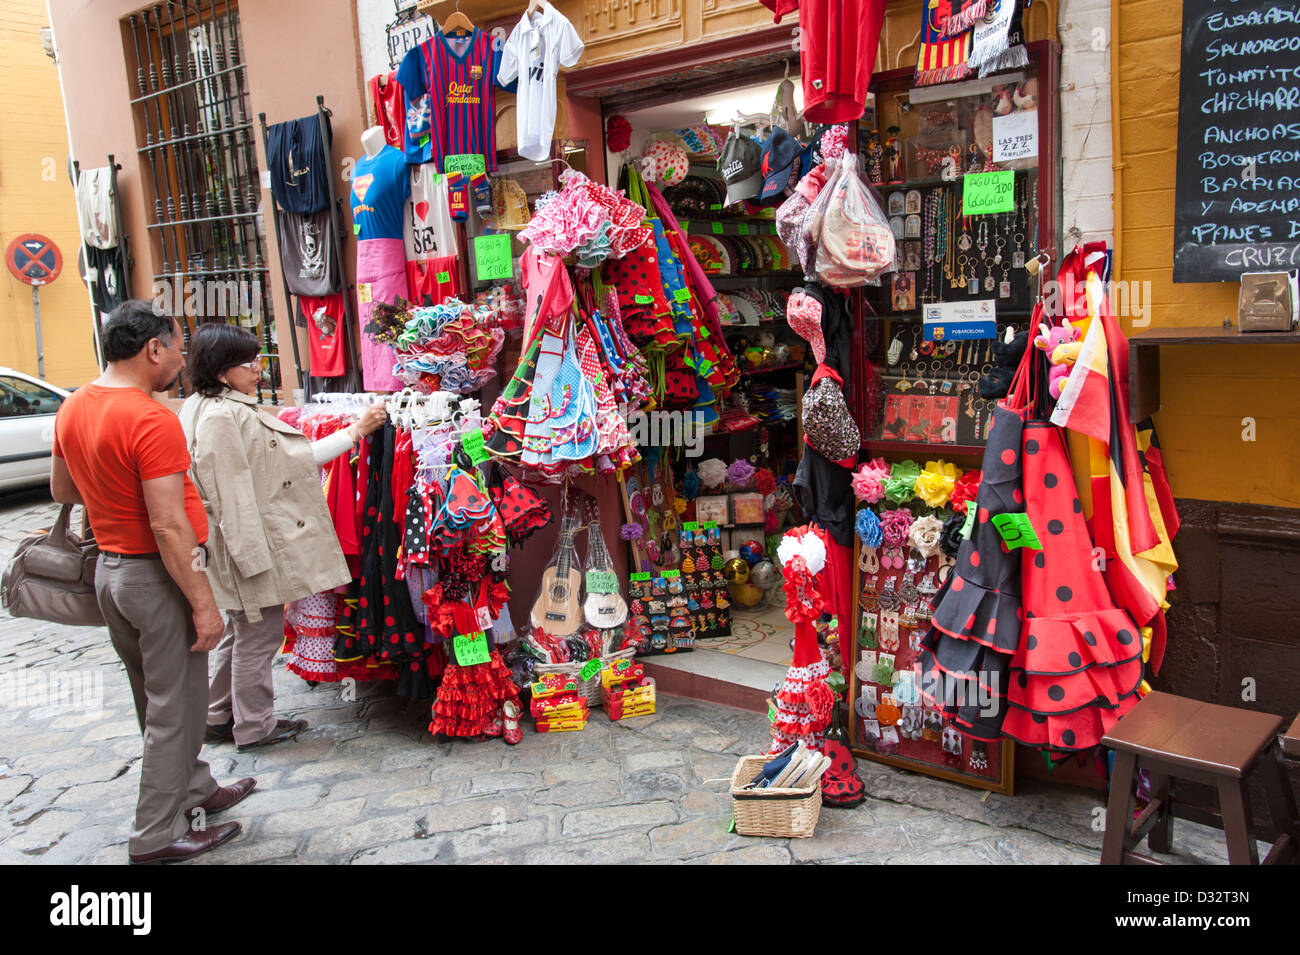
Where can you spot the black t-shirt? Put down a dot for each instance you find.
(103, 272)
(824, 491)
(300, 167)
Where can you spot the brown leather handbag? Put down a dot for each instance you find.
(52, 577)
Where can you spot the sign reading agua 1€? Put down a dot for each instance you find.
(492, 259)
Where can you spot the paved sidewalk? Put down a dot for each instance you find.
(367, 784)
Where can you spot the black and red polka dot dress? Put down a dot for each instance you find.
(977, 614)
(1079, 663)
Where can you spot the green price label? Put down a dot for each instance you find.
(671, 573)
(424, 140)
(684, 225)
(984, 193)
(682, 294)
(716, 206)
(717, 228)
(444, 278)
(472, 649)
(691, 526)
(771, 712)
(602, 582)
(969, 526)
(743, 228)
(710, 525)
(356, 228)
(704, 332)
(472, 442)
(471, 164)
(1017, 530)
(639, 576)
(589, 670)
(643, 299)
(492, 257)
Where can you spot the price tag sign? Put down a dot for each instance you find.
(969, 526)
(589, 670)
(471, 649)
(1017, 531)
(472, 442)
(668, 574)
(717, 228)
(682, 295)
(643, 299)
(444, 278)
(602, 582)
(492, 257)
(685, 224)
(771, 712)
(471, 164)
(639, 576)
(985, 193)
(743, 228)
(710, 525)
(691, 526)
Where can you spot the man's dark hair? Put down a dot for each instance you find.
(214, 348)
(130, 326)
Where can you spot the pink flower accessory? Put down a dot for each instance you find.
(868, 481)
(834, 142)
(894, 527)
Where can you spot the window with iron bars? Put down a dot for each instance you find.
(196, 139)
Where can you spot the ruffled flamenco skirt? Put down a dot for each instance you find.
(975, 630)
(1079, 664)
(471, 696)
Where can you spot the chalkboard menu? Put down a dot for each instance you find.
(1237, 204)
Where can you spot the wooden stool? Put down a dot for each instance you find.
(1173, 737)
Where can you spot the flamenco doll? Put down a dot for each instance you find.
(805, 701)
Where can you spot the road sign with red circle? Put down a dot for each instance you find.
(34, 259)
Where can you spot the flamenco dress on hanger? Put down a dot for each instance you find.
(977, 618)
(1079, 664)
(803, 701)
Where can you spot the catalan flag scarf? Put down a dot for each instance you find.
(941, 58)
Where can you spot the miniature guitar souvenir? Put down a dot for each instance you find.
(558, 609)
(604, 607)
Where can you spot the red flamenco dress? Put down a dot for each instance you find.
(1079, 664)
(470, 697)
(804, 701)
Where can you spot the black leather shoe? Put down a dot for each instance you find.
(224, 797)
(284, 729)
(220, 732)
(189, 845)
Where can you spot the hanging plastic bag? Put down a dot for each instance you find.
(814, 218)
(854, 241)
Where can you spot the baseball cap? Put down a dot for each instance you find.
(740, 164)
(779, 154)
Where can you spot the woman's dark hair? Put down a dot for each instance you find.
(214, 348)
(131, 325)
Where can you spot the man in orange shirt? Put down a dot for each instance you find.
(123, 455)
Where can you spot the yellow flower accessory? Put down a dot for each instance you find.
(935, 483)
(679, 505)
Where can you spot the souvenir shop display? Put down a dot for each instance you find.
(660, 617)
(704, 577)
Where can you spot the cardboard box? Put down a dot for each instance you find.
(621, 671)
(560, 726)
(630, 699)
(552, 684)
(559, 705)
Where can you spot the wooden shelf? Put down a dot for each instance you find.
(1144, 357)
(919, 447)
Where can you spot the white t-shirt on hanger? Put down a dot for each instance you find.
(426, 227)
(533, 54)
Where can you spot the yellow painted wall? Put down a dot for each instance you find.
(1207, 392)
(36, 196)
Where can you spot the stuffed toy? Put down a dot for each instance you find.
(1007, 353)
(1057, 343)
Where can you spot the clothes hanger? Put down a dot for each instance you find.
(534, 6)
(457, 21)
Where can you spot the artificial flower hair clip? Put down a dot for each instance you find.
(900, 486)
(925, 535)
(713, 472)
(868, 481)
(868, 527)
(632, 531)
(740, 472)
(934, 485)
(965, 490)
(895, 525)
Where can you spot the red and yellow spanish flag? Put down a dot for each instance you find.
(941, 59)
(1131, 512)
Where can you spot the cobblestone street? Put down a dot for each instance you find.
(367, 784)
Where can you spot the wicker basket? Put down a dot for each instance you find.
(590, 689)
(785, 813)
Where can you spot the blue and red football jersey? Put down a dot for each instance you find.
(450, 85)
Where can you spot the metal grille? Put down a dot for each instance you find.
(193, 116)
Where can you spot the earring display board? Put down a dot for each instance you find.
(889, 719)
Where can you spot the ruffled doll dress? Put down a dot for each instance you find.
(977, 618)
(1079, 664)
(470, 697)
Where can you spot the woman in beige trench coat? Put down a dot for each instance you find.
(271, 539)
